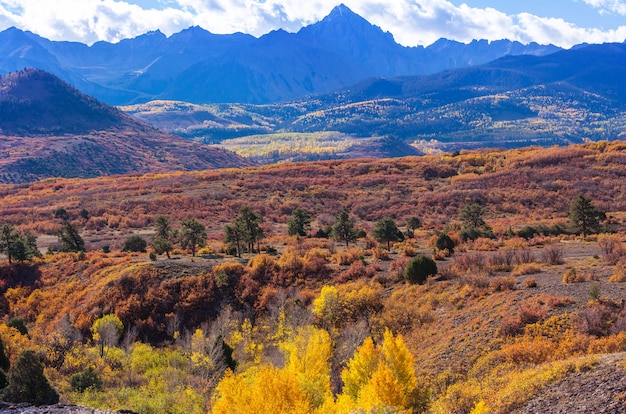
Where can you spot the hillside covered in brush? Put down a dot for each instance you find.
(521, 298)
(50, 129)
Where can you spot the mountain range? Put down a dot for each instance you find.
(200, 67)
(571, 96)
(50, 129)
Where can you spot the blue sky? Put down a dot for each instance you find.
(412, 22)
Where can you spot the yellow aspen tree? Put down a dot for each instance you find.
(400, 361)
(360, 368)
(328, 307)
(382, 391)
(262, 390)
(308, 357)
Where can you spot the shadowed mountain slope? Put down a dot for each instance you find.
(50, 129)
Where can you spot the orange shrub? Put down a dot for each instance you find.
(526, 269)
(534, 352)
(380, 254)
(501, 284)
(347, 257)
(619, 272)
(530, 282)
(486, 245)
(572, 276)
(609, 344)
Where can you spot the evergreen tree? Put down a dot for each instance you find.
(474, 225)
(344, 228)
(8, 238)
(248, 224)
(444, 242)
(135, 244)
(386, 231)
(414, 223)
(162, 241)
(299, 223)
(584, 217)
(192, 235)
(234, 235)
(27, 382)
(70, 239)
(20, 247)
(472, 216)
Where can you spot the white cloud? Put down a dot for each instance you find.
(90, 20)
(608, 6)
(560, 32)
(412, 22)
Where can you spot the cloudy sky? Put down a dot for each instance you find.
(412, 22)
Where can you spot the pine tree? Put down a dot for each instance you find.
(299, 223)
(8, 238)
(248, 224)
(27, 382)
(584, 217)
(344, 228)
(192, 235)
(386, 231)
(162, 241)
(70, 239)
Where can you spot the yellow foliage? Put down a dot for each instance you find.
(14, 342)
(262, 261)
(619, 272)
(526, 269)
(381, 377)
(520, 386)
(260, 390)
(572, 276)
(459, 397)
(400, 361)
(382, 391)
(143, 358)
(308, 357)
(360, 368)
(328, 307)
(553, 328)
(480, 408)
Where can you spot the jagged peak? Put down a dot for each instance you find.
(341, 10)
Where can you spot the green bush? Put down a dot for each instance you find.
(135, 244)
(419, 268)
(19, 324)
(445, 242)
(88, 379)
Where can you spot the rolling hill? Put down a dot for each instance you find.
(50, 129)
